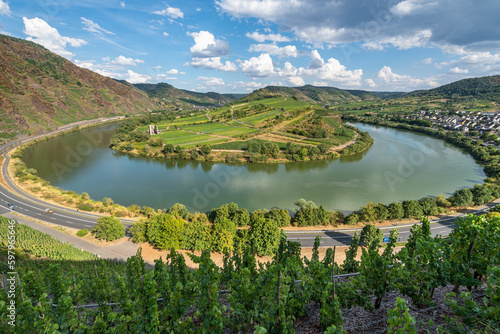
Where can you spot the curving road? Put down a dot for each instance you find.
(32, 207)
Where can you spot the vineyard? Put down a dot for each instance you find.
(280, 296)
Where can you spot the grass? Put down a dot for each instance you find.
(256, 119)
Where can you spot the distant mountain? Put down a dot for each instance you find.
(184, 98)
(40, 90)
(312, 94)
(483, 88)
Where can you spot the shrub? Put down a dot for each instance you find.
(108, 228)
(205, 150)
(370, 234)
(155, 142)
(138, 231)
(85, 207)
(85, 196)
(82, 233)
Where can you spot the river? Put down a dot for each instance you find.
(399, 165)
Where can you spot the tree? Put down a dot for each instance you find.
(205, 150)
(370, 234)
(481, 194)
(396, 210)
(167, 149)
(108, 228)
(265, 236)
(282, 217)
(179, 149)
(165, 231)
(412, 208)
(138, 231)
(323, 148)
(222, 235)
(462, 197)
(195, 236)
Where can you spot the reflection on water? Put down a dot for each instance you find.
(400, 165)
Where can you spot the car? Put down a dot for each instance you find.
(386, 239)
(10, 206)
(48, 210)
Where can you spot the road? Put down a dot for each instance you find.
(30, 206)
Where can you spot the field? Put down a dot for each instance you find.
(272, 120)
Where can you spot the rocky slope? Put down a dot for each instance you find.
(40, 90)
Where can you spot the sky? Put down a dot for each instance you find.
(237, 46)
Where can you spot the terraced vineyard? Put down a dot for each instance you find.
(281, 125)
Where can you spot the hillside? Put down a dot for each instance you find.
(40, 90)
(184, 98)
(484, 88)
(312, 94)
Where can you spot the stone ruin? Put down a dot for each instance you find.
(153, 130)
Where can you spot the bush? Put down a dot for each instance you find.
(370, 234)
(155, 142)
(205, 150)
(169, 148)
(138, 231)
(108, 228)
(85, 207)
(85, 196)
(82, 233)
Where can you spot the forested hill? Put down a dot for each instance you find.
(484, 88)
(312, 94)
(184, 98)
(40, 90)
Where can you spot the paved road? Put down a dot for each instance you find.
(32, 207)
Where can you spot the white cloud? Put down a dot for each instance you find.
(414, 40)
(171, 12)
(273, 49)
(261, 66)
(316, 60)
(122, 4)
(94, 28)
(397, 81)
(320, 83)
(427, 61)
(4, 8)
(270, 37)
(106, 70)
(388, 76)
(296, 81)
(370, 83)
(198, 9)
(157, 67)
(248, 85)
(166, 34)
(408, 7)
(137, 78)
(124, 61)
(378, 23)
(458, 70)
(213, 63)
(42, 33)
(332, 70)
(173, 72)
(373, 46)
(211, 81)
(207, 46)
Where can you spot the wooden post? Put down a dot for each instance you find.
(333, 269)
(20, 288)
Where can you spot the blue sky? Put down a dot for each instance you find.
(237, 46)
